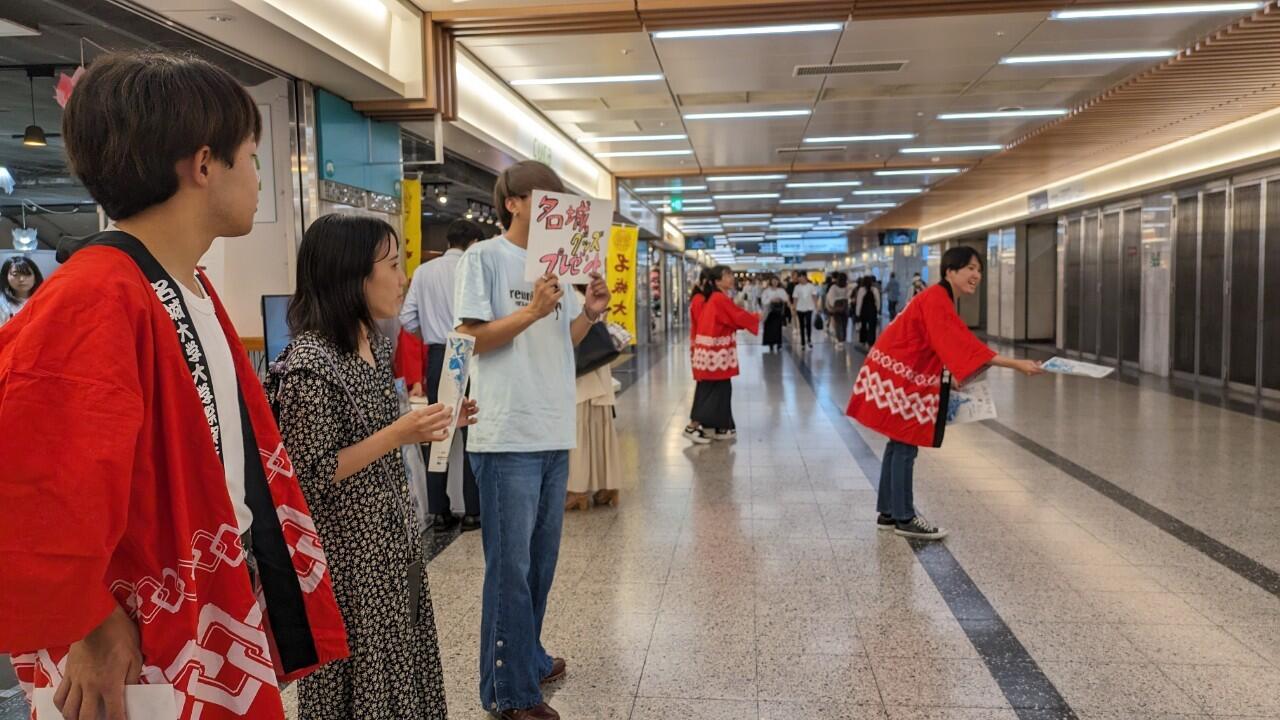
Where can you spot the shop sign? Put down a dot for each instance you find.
(411, 209)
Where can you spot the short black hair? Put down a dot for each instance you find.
(134, 115)
(337, 254)
(521, 179)
(462, 233)
(23, 266)
(957, 258)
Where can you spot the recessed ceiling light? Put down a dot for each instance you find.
(741, 31)
(861, 138)
(833, 183)
(810, 201)
(790, 226)
(1121, 12)
(1002, 114)
(744, 178)
(806, 218)
(863, 206)
(221, 18)
(750, 216)
(747, 223)
(889, 191)
(925, 171)
(1087, 57)
(747, 196)
(587, 80)
(631, 138)
(951, 148)
(741, 115)
(643, 153)
(671, 189)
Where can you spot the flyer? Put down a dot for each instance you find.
(452, 391)
(153, 702)
(971, 404)
(1075, 367)
(568, 235)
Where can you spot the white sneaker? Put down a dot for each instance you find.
(724, 434)
(696, 436)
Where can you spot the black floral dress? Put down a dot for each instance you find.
(394, 670)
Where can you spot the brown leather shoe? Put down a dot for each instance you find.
(558, 669)
(541, 711)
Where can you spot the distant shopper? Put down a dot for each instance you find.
(903, 387)
(20, 278)
(777, 306)
(839, 299)
(805, 301)
(524, 378)
(154, 529)
(340, 416)
(892, 294)
(917, 286)
(715, 355)
(595, 462)
(754, 290)
(428, 314)
(789, 285)
(702, 289)
(867, 311)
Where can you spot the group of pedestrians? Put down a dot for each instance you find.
(175, 522)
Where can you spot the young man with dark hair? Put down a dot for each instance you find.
(427, 316)
(155, 532)
(524, 379)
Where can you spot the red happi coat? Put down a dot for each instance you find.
(715, 338)
(900, 386)
(114, 495)
(696, 304)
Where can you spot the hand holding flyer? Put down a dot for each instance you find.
(1075, 367)
(567, 236)
(452, 391)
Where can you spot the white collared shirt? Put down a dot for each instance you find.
(428, 308)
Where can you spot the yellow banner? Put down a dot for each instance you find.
(621, 264)
(411, 203)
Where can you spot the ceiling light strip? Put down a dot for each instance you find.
(1087, 57)
(996, 114)
(748, 114)
(747, 31)
(951, 149)
(1129, 12)
(586, 80)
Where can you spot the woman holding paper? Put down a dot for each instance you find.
(777, 304)
(907, 378)
(340, 420)
(701, 290)
(715, 355)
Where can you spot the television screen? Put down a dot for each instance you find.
(275, 324)
(900, 236)
(700, 243)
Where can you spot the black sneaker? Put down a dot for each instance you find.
(919, 529)
(696, 436)
(885, 522)
(444, 522)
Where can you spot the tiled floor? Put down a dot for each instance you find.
(747, 579)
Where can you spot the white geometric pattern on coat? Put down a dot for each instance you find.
(887, 396)
(145, 598)
(307, 545)
(276, 463)
(707, 360)
(901, 369)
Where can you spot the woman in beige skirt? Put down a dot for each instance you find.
(593, 465)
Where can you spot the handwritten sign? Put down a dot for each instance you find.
(567, 236)
(621, 266)
(458, 349)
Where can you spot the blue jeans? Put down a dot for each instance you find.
(521, 514)
(897, 471)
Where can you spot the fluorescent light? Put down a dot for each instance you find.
(1102, 13)
(784, 236)
(865, 206)
(889, 191)
(951, 148)
(744, 178)
(631, 138)
(747, 196)
(790, 226)
(643, 153)
(747, 223)
(740, 115)
(1002, 114)
(795, 219)
(1087, 57)
(925, 171)
(741, 31)
(861, 138)
(587, 80)
(671, 189)
(809, 201)
(750, 216)
(834, 183)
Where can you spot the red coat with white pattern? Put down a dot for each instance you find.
(899, 388)
(715, 338)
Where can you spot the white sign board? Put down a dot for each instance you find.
(1075, 367)
(153, 702)
(458, 350)
(567, 236)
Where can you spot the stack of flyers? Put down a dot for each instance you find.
(1075, 367)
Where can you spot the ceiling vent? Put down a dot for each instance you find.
(850, 68)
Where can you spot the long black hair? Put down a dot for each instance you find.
(704, 281)
(23, 266)
(337, 255)
(713, 277)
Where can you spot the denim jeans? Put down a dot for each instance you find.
(521, 514)
(896, 474)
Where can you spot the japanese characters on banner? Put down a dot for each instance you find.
(620, 261)
(411, 205)
(567, 236)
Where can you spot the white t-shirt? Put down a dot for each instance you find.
(806, 297)
(772, 295)
(526, 390)
(226, 397)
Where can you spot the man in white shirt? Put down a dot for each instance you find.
(428, 314)
(805, 297)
